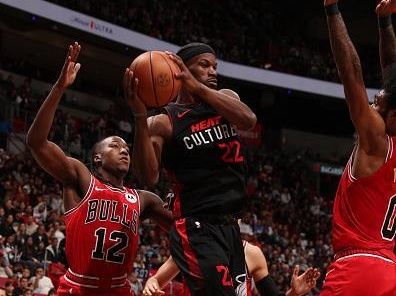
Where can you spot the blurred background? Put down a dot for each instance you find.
(275, 54)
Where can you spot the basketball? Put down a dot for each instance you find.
(156, 74)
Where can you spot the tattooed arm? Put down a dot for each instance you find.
(387, 39)
(368, 123)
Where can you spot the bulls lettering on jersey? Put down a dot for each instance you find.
(102, 232)
(206, 162)
(364, 215)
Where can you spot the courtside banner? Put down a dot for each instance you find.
(134, 39)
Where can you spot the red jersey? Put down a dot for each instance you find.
(102, 236)
(364, 213)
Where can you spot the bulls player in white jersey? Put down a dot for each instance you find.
(257, 271)
(102, 215)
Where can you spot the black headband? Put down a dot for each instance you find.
(191, 50)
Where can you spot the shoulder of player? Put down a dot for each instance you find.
(255, 257)
(253, 250)
(230, 93)
(148, 198)
(159, 125)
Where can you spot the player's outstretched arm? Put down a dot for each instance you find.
(49, 156)
(368, 123)
(303, 284)
(258, 269)
(235, 111)
(387, 39)
(147, 145)
(154, 208)
(164, 275)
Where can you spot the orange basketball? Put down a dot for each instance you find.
(156, 74)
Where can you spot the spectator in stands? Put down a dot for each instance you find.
(9, 288)
(58, 230)
(31, 225)
(40, 212)
(40, 236)
(29, 254)
(41, 283)
(6, 228)
(51, 252)
(23, 285)
(5, 270)
(28, 292)
(11, 249)
(2, 292)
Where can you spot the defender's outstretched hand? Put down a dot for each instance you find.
(329, 2)
(70, 67)
(304, 283)
(131, 84)
(385, 8)
(152, 288)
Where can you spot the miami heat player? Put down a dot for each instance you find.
(102, 215)
(364, 211)
(197, 142)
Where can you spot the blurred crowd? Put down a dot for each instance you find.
(248, 32)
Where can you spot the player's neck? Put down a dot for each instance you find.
(111, 179)
(185, 98)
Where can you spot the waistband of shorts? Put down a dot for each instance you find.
(362, 252)
(95, 282)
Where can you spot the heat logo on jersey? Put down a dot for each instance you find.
(242, 288)
(208, 131)
(106, 210)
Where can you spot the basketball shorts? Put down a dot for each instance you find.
(361, 274)
(210, 255)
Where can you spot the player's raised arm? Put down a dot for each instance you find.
(147, 147)
(368, 123)
(49, 156)
(387, 39)
(227, 105)
(257, 265)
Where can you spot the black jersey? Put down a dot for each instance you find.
(205, 161)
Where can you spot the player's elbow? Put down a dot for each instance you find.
(249, 122)
(31, 141)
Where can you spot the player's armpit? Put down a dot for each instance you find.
(153, 207)
(370, 128)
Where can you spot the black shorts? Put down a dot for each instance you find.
(209, 255)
